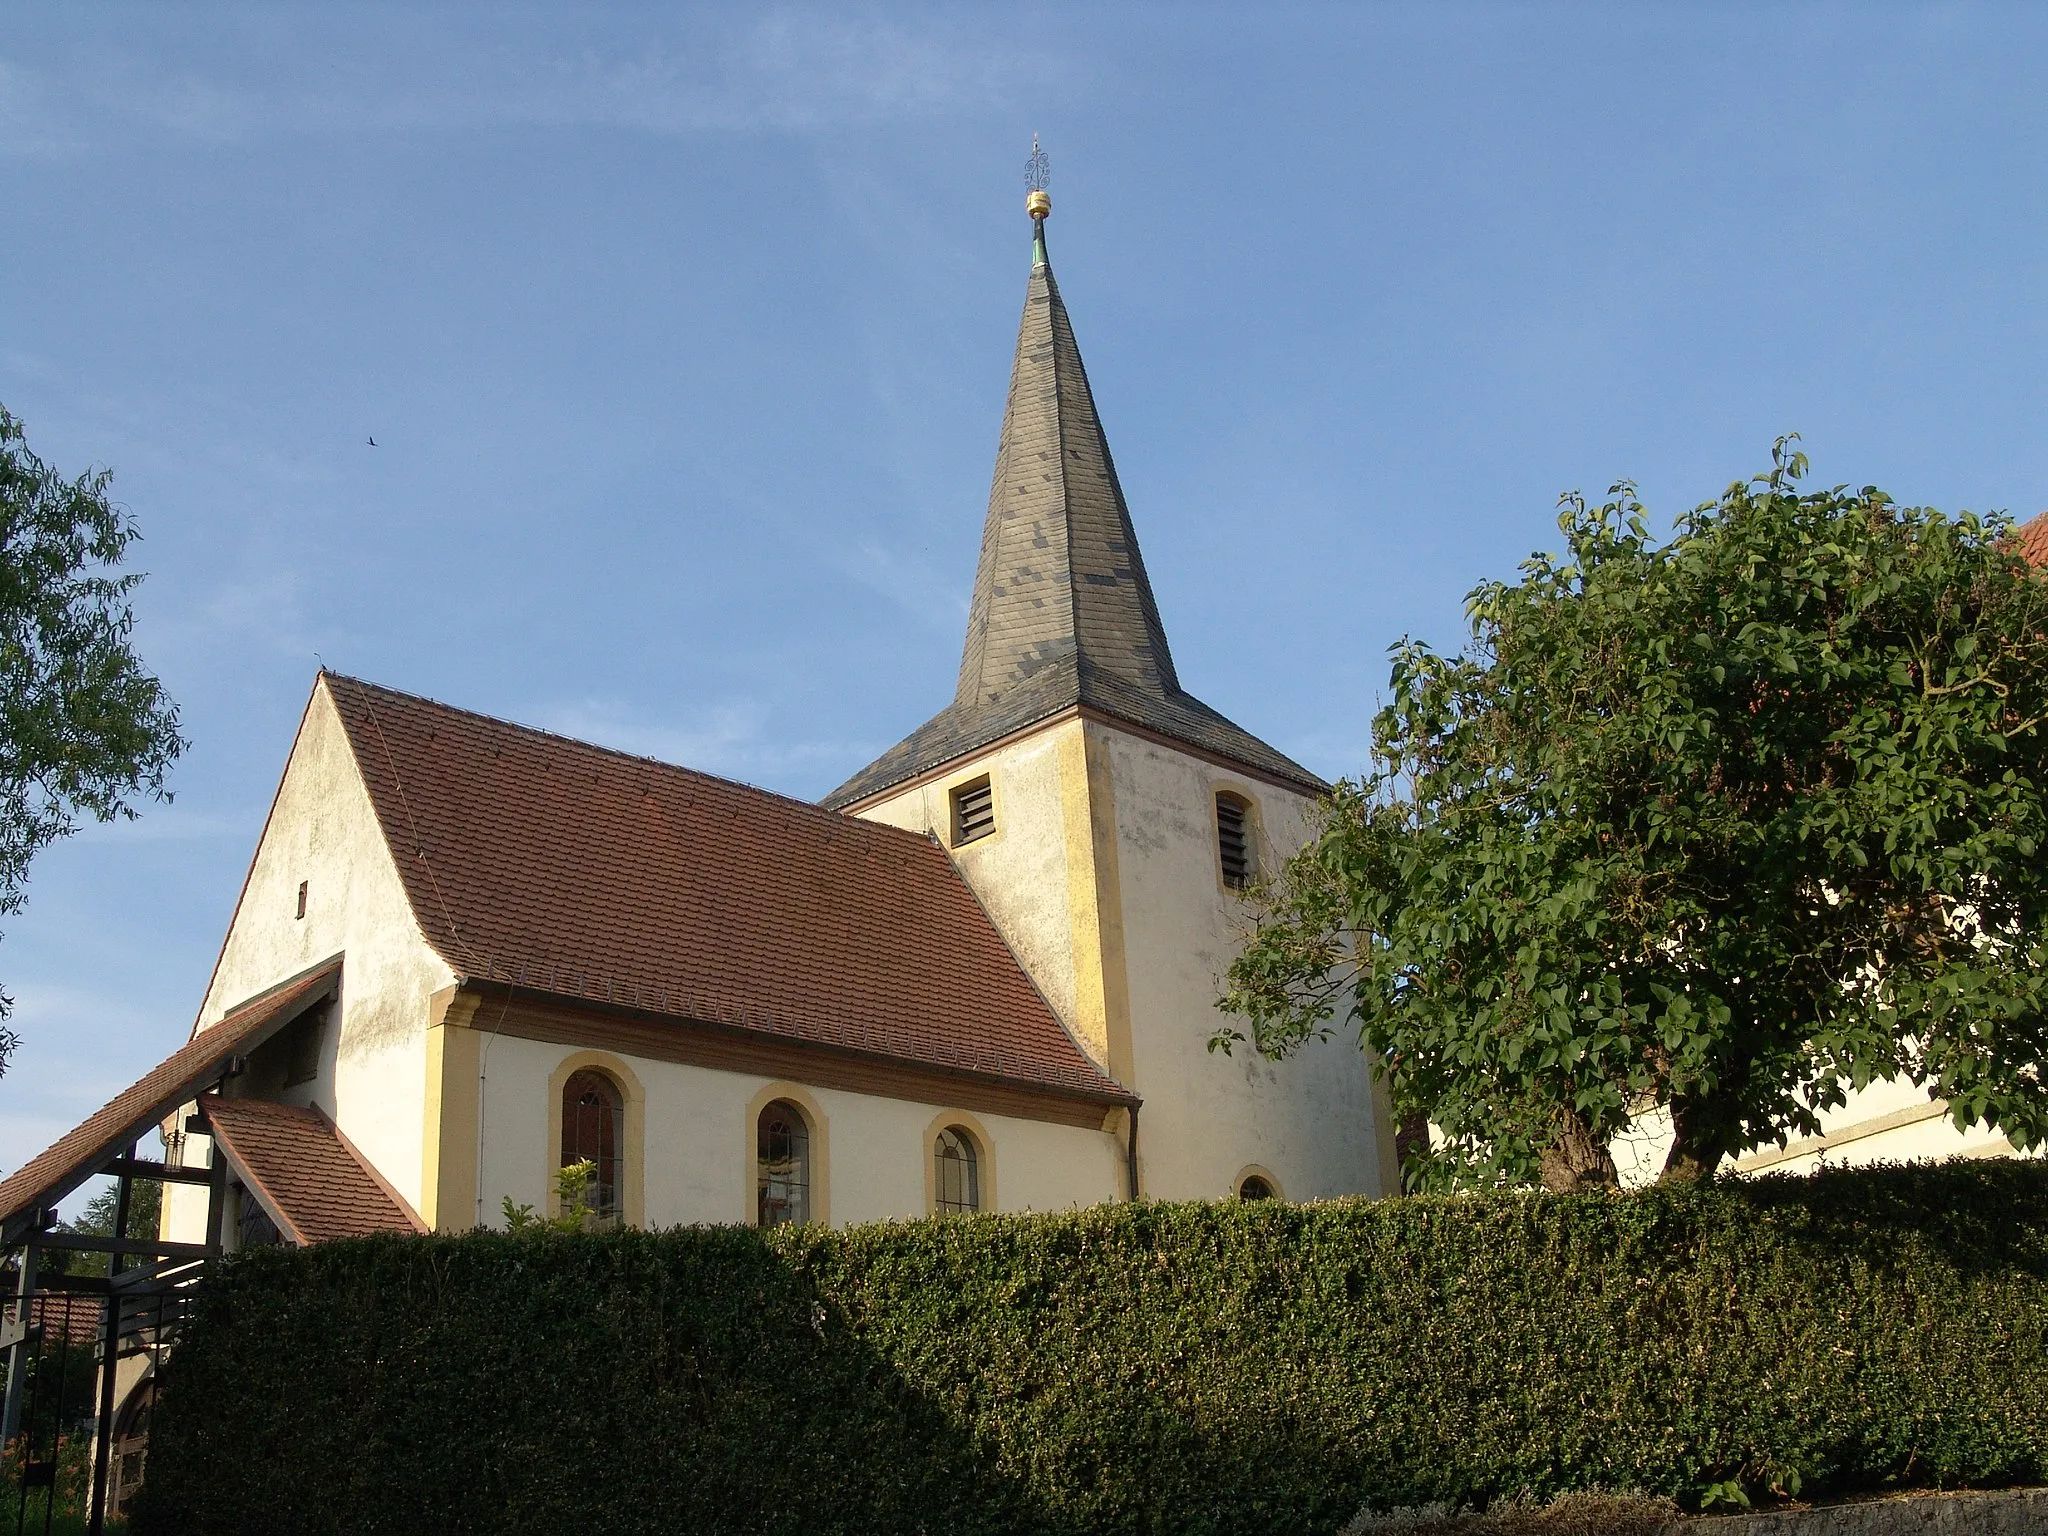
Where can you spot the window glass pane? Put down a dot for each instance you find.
(783, 1165)
(594, 1130)
(958, 1171)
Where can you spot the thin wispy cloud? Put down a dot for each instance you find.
(791, 71)
(65, 1070)
(918, 586)
(736, 740)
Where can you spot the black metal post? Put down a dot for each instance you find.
(18, 1356)
(56, 1429)
(17, 1378)
(110, 1359)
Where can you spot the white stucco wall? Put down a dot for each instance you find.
(1308, 1119)
(323, 831)
(1886, 1122)
(697, 1142)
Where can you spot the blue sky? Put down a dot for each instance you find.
(683, 334)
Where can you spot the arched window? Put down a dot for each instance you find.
(594, 1131)
(956, 1184)
(1254, 1187)
(783, 1165)
(1234, 840)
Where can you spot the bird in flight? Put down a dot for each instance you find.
(373, 442)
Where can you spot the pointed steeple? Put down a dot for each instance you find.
(1061, 581)
(1063, 614)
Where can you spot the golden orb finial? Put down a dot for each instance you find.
(1037, 176)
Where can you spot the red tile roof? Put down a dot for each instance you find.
(83, 1151)
(66, 1319)
(2031, 539)
(314, 1184)
(565, 867)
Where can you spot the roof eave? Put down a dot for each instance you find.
(1110, 1094)
(21, 1219)
(866, 797)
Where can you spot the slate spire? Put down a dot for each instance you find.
(1061, 581)
(1063, 613)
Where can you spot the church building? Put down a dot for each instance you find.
(980, 976)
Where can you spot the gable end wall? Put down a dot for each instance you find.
(324, 831)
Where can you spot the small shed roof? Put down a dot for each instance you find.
(84, 1151)
(308, 1177)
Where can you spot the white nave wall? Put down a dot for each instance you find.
(698, 1139)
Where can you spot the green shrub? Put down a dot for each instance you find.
(1154, 1368)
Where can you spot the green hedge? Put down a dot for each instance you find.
(1169, 1368)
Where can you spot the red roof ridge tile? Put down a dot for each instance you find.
(831, 818)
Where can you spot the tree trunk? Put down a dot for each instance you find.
(1411, 1143)
(1577, 1160)
(1699, 1140)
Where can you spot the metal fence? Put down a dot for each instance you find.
(79, 1404)
(84, 1351)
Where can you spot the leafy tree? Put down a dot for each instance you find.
(96, 1219)
(84, 728)
(1719, 829)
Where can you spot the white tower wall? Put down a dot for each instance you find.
(1104, 876)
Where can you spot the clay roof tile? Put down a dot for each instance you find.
(2031, 540)
(571, 869)
(314, 1184)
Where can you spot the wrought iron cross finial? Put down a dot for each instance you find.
(1037, 201)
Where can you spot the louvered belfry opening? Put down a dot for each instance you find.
(974, 811)
(1233, 845)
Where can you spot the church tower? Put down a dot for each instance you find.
(1108, 820)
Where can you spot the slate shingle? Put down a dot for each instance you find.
(1063, 613)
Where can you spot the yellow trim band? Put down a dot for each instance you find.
(1102, 995)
